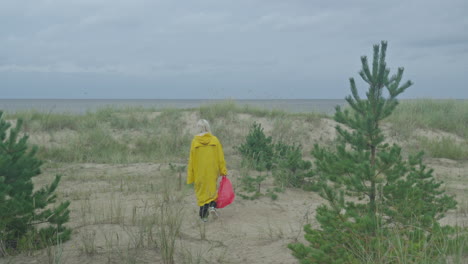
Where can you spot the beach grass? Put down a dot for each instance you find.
(137, 134)
(444, 147)
(445, 115)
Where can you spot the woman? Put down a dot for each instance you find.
(205, 165)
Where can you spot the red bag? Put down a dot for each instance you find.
(225, 193)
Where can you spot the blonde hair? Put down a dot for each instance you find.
(203, 126)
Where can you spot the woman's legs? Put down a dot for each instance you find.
(204, 209)
(212, 204)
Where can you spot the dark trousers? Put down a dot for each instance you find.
(204, 209)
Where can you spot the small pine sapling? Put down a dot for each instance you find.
(22, 209)
(371, 191)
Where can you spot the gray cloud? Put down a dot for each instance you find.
(263, 46)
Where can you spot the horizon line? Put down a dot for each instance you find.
(222, 99)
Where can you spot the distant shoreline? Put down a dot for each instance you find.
(80, 106)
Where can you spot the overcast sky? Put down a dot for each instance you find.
(216, 49)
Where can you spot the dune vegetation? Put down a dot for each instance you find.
(123, 170)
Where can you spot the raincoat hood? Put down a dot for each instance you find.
(205, 139)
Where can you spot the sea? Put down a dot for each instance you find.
(82, 106)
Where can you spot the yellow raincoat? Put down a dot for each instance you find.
(206, 163)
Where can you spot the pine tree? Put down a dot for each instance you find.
(22, 209)
(370, 189)
(257, 151)
(290, 169)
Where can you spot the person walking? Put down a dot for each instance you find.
(206, 164)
